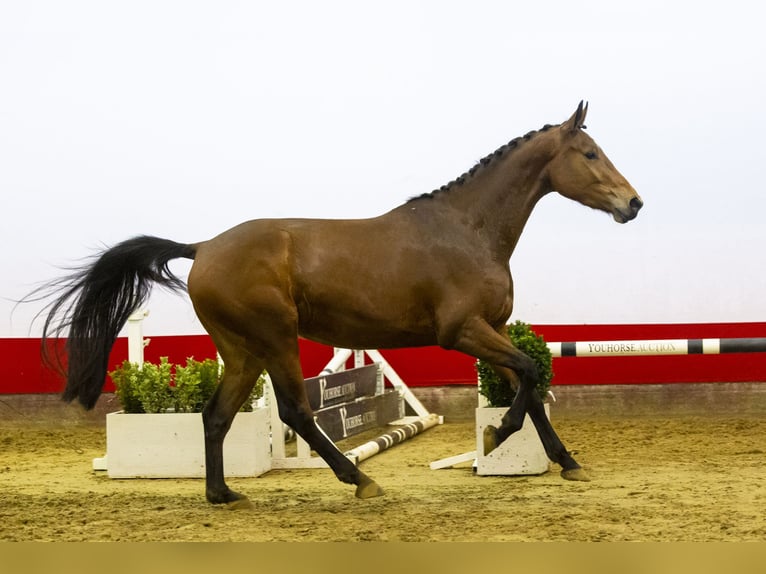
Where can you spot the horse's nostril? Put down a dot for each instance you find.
(636, 203)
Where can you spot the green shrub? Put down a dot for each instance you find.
(498, 392)
(126, 383)
(154, 389)
(181, 388)
(188, 387)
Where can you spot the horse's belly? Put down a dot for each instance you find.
(349, 330)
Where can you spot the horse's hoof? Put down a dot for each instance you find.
(368, 489)
(575, 474)
(240, 504)
(490, 439)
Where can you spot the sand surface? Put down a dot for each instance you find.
(656, 477)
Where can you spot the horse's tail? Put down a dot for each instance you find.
(95, 301)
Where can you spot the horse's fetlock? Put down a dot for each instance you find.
(511, 423)
(348, 477)
(225, 496)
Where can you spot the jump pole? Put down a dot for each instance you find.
(401, 434)
(658, 347)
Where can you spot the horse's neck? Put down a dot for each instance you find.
(498, 200)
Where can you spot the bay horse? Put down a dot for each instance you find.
(432, 271)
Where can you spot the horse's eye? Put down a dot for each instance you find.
(591, 154)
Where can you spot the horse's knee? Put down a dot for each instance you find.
(528, 373)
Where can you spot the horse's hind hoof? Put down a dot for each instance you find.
(240, 504)
(368, 489)
(490, 439)
(575, 474)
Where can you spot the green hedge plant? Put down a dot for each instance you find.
(165, 387)
(498, 392)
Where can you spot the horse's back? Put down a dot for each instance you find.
(364, 283)
(332, 277)
(271, 254)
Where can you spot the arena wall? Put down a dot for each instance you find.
(21, 370)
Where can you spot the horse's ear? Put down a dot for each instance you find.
(577, 121)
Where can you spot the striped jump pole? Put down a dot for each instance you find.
(658, 347)
(401, 434)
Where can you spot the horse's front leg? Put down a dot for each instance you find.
(480, 340)
(528, 400)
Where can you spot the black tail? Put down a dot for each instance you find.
(95, 302)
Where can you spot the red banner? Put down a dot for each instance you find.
(21, 369)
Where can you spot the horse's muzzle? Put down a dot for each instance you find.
(629, 213)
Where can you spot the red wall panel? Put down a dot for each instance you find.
(21, 370)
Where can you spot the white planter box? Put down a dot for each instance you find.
(522, 453)
(172, 445)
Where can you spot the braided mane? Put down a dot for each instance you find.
(482, 163)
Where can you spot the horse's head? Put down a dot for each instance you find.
(581, 171)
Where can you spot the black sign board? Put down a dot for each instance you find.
(342, 387)
(347, 419)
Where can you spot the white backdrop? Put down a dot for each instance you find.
(181, 119)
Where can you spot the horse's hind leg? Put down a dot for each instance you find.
(240, 374)
(295, 411)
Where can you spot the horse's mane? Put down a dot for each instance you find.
(482, 163)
